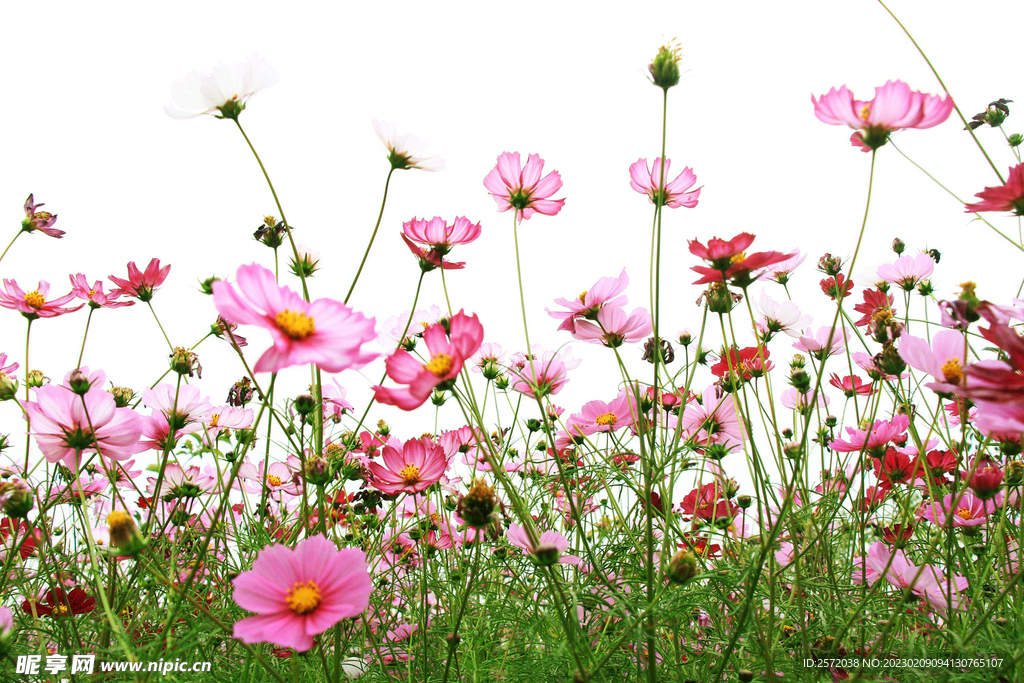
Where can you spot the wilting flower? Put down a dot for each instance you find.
(34, 304)
(894, 106)
(141, 284)
(613, 327)
(42, 221)
(404, 150)
(94, 294)
(226, 89)
(607, 291)
(523, 189)
(301, 592)
(945, 359)
(440, 236)
(1008, 197)
(908, 270)
(323, 332)
(419, 465)
(655, 184)
(728, 260)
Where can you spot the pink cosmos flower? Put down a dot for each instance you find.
(713, 419)
(729, 260)
(873, 439)
(613, 327)
(781, 271)
(969, 511)
(523, 188)
(673, 194)
(1008, 197)
(440, 236)
(325, 332)
(66, 425)
(544, 374)
(817, 343)
(908, 271)
(42, 221)
(894, 106)
(7, 371)
(34, 304)
(795, 400)
(601, 416)
(335, 403)
(606, 292)
(95, 295)
(490, 355)
(945, 359)
(299, 593)
(182, 482)
(277, 477)
(420, 464)
(448, 352)
(925, 582)
(141, 284)
(221, 421)
(431, 259)
(550, 545)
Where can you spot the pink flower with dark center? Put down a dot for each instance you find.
(420, 464)
(34, 304)
(299, 593)
(908, 271)
(894, 106)
(324, 332)
(1007, 197)
(440, 236)
(449, 350)
(523, 188)
(141, 284)
(614, 327)
(94, 294)
(659, 190)
(728, 260)
(607, 291)
(42, 221)
(945, 359)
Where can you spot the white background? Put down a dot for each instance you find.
(84, 129)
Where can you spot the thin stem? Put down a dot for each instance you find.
(373, 236)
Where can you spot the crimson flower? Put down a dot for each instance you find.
(58, 603)
(729, 261)
(1008, 197)
(141, 284)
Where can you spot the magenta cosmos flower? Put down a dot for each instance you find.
(606, 292)
(43, 221)
(66, 424)
(894, 106)
(672, 194)
(297, 594)
(441, 236)
(94, 294)
(448, 352)
(523, 189)
(35, 304)
(729, 260)
(325, 332)
(140, 284)
(945, 358)
(420, 464)
(1007, 197)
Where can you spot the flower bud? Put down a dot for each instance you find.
(305, 404)
(122, 395)
(206, 286)
(271, 232)
(383, 428)
(36, 378)
(501, 382)
(306, 265)
(186, 362)
(476, 506)
(318, 471)
(8, 387)
(546, 555)
(438, 398)
(744, 501)
(79, 382)
(17, 499)
(1014, 473)
(682, 568)
(1015, 139)
(124, 535)
(664, 68)
(898, 245)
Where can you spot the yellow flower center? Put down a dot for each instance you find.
(410, 474)
(865, 112)
(42, 215)
(35, 299)
(303, 598)
(953, 371)
(214, 419)
(738, 258)
(92, 293)
(274, 480)
(583, 297)
(964, 513)
(60, 610)
(606, 419)
(296, 324)
(440, 364)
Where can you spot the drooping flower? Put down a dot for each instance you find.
(34, 304)
(299, 593)
(324, 332)
(607, 291)
(613, 327)
(908, 271)
(728, 260)
(895, 106)
(523, 188)
(419, 465)
(94, 294)
(225, 89)
(405, 151)
(449, 350)
(441, 236)
(141, 284)
(43, 221)
(1007, 197)
(659, 189)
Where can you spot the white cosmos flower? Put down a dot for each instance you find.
(224, 89)
(393, 326)
(404, 150)
(781, 317)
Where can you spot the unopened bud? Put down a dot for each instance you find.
(682, 568)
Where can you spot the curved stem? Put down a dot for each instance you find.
(373, 236)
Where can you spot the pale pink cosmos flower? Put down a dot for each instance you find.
(782, 317)
(795, 400)
(523, 188)
(874, 438)
(299, 593)
(817, 343)
(405, 151)
(441, 236)
(713, 419)
(781, 272)
(490, 354)
(544, 375)
(659, 190)
(277, 477)
(6, 621)
(1007, 197)
(417, 322)
(601, 416)
(141, 284)
(607, 291)
(67, 425)
(925, 582)
(324, 332)
(335, 403)
(613, 327)
(908, 271)
(35, 304)
(945, 359)
(420, 464)
(43, 221)
(225, 89)
(894, 106)
(222, 420)
(550, 545)
(94, 294)
(7, 370)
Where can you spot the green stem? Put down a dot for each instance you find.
(373, 236)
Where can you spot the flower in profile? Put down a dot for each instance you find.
(405, 151)
(875, 438)
(851, 385)
(659, 190)
(223, 420)
(60, 603)
(324, 332)
(431, 259)
(895, 106)
(42, 221)
(728, 260)
(607, 291)
(782, 317)
(449, 350)
(543, 374)
(945, 358)
(35, 304)
(908, 271)
(781, 271)
(823, 343)
(1008, 197)
(613, 327)
(523, 188)
(420, 464)
(140, 284)
(225, 89)
(94, 293)
(441, 236)
(548, 549)
(299, 593)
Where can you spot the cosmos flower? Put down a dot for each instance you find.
(43, 221)
(607, 291)
(782, 317)
(523, 188)
(728, 260)
(324, 332)
(544, 374)
(60, 603)
(548, 549)
(404, 151)
(225, 89)
(967, 510)
(945, 358)
(299, 593)
(613, 327)
(94, 294)
(908, 271)
(141, 284)
(441, 236)
(818, 343)
(419, 465)
(34, 304)
(1007, 197)
(673, 194)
